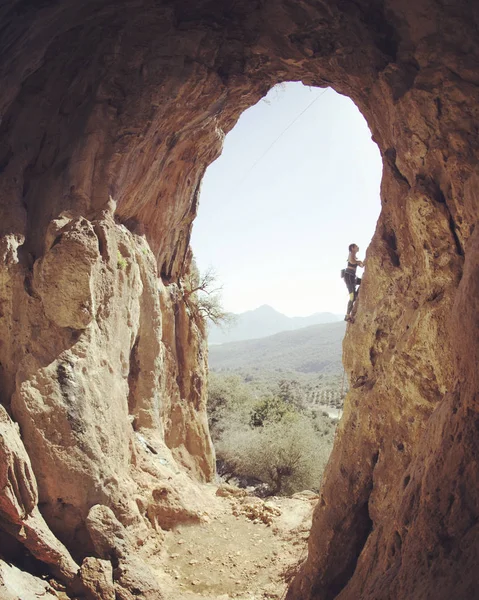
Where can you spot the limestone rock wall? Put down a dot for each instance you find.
(97, 397)
(111, 112)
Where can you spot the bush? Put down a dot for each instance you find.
(230, 402)
(270, 409)
(287, 455)
(265, 433)
(291, 392)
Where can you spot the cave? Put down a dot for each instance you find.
(110, 114)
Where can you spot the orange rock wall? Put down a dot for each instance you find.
(111, 112)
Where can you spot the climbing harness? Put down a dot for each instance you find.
(351, 281)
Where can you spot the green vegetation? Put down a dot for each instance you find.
(312, 390)
(268, 433)
(288, 456)
(274, 404)
(121, 261)
(302, 366)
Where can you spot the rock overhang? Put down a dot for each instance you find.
(130, 101)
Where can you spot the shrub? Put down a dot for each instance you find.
(120, 261)
(270, 409)
(291, 392)
(230, 402)
(265, 433)
(287, 455)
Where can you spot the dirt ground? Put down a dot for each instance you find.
(245, 548)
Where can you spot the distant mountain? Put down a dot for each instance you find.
(262, 322)
(314, 349)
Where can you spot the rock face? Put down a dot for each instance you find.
(111, 112)
(99, 388)
(18, 505)
(16, 584)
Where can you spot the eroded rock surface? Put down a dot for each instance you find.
(111, 112)
(97, 578)
(94, 405)
(19, 514)
(15, 584)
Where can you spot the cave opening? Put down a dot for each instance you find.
(297, 181)
(110, 114)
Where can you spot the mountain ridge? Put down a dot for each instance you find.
(262, 322)
(313, 349)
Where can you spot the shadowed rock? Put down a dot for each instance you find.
(19, 513)
(111, 112)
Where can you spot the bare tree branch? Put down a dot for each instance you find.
(202, 295)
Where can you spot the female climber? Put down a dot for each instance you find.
(350, 278)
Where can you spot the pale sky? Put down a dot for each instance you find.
(277, 229)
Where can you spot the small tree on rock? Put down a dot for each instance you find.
(202, 295)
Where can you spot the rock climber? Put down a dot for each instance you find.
(350, 278)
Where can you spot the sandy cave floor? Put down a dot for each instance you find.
(233, 553)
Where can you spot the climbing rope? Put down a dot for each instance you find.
(342, 384)
(280, 136)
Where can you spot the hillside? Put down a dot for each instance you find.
(311, 350)
(262, 322)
